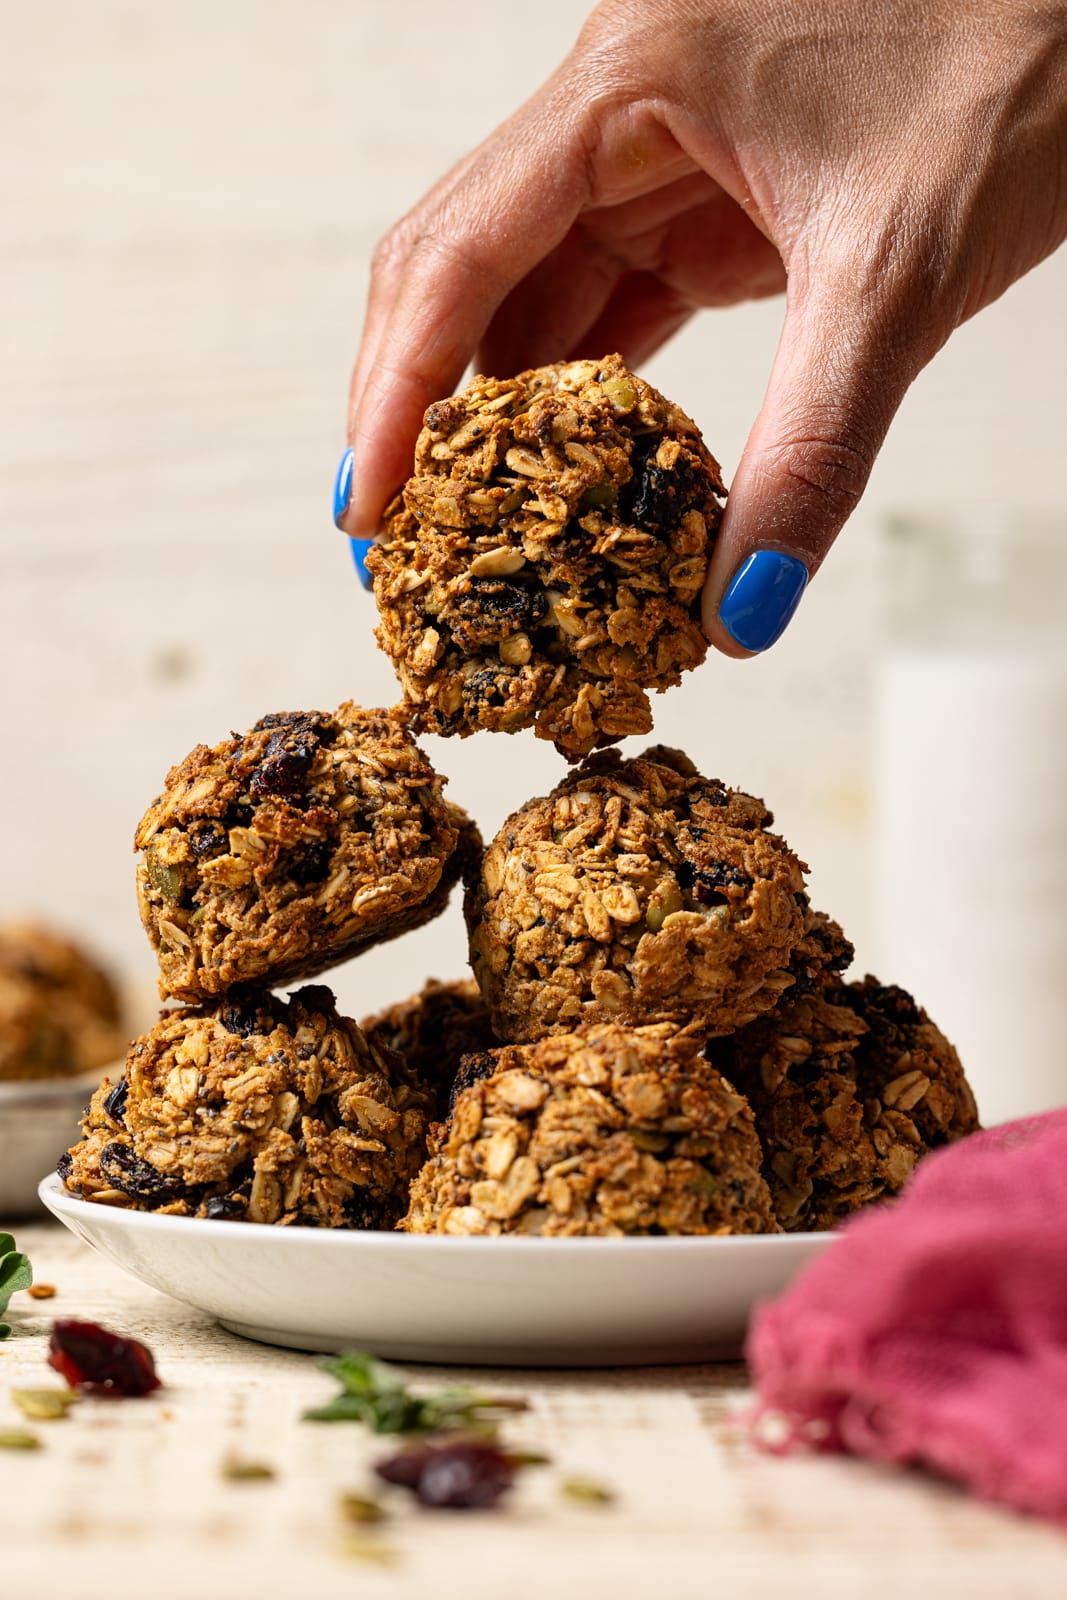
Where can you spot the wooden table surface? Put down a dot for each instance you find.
(128, 1498)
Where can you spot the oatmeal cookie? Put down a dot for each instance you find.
(606, 1131)
(850, 1086)
(285, 850)
(432, 1031)
(544, 563)
(908, 1067)
(59, 1011)
(636, 892)
(821, 956)
(255, 1109)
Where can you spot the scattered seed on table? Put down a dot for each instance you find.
(587, 1491)
(44, 1405)
(18, 1439)
(359, 1508)
(236, 1471)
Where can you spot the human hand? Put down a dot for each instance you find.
(894, 168)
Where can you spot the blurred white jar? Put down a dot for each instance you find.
(970, 794)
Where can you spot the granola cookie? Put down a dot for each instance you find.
(821, 956)
(908, 1066)
(432, 1031)
(59, 1011)
(606, 1131)
(285, 850)
(544, 563)
(259, 1110)
(850, 1087)
(636, 892)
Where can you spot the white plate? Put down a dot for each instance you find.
(496, 1301)
(38, 1120)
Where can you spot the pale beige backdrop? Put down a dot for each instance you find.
(188, 199)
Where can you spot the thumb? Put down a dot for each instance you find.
(835, 386)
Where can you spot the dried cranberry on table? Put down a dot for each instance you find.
(91, 1357)
(464, 1474)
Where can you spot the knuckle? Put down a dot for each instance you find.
(610, 61)
(437, 250)
(607, 24)
(391, 251)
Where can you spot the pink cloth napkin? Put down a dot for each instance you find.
(935, 1330)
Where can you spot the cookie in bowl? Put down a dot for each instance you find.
(851, 1086)
(283, 851)
(432, 1031)
(609, 1131)
(60, 1012)
(637, 892)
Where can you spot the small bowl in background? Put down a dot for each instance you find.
(39, 1120)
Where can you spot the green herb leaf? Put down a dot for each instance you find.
(376, 1395)
(15, 1274)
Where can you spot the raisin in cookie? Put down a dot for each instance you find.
(606, 1131)
(285, 850)
(544, 563)
(636, 892)
(256, 1110)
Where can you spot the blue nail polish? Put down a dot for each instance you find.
(342, 488)
(763, 594)
(359, 554)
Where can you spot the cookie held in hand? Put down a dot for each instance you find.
(544, 563)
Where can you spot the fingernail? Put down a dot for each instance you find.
(359, 556)
(763, 594)
(342, 488)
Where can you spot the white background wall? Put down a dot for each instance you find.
(188, 199)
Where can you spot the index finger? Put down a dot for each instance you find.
(442, 274)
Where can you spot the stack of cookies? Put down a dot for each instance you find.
(266, 859)
(657, 1037)
(682, 1054)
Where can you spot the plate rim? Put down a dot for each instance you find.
(61, 1203)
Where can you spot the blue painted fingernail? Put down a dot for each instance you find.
(763, 594)
(359, 556)
(342, 488)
